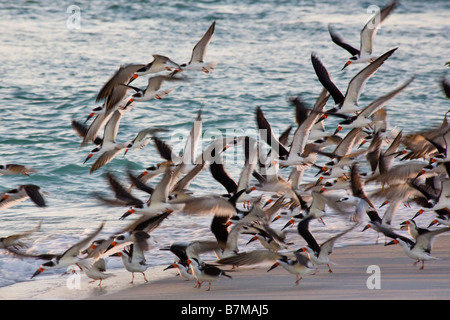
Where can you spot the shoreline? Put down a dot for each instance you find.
(398, 280)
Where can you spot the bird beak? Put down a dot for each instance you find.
(128, 103)
(289, 223)
(276, 218)
(432, 223)
(276, 264)
(346, 65)
(38, 271)
(323, 169)
(362, 143)
(133, 77)
(392, 242)
(366, 227)
(323, 117)
(252, 239)
(89, 116)
(126, 214)
(384, 203)
(319, 181)
(420, 173)
(339, 128)
(173, 265)
(418, 213)
(268, 202)
(87, 158)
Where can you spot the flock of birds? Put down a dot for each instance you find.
(401, 168)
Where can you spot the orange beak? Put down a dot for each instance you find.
(346, 64)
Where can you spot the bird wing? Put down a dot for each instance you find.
(32, 191)
(207, 205)
(76, 248)
(82, 130)
(11, 240)
(381, 101)
(337, 39)
(328, 245)
(191, 145)
(250, 258)
(199, 50)
(112, 127)
(266, 134)
(221, 175)
(122, 76)
(426, 240)
(303, 230)
(325, 80)
(161, 192)
(104, 159)
(371, 27)
(121, 193)
(163, 148)
(356, 85)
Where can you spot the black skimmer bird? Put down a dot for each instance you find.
(364, 53)
(189, 159)
(318, 254)
(109, 147)
(205, 272)
(112, 93)
(424, 143)
(133, 260)
(184, 270)
(197, 61)
(267, 135)
(300, 153)
(152, 91)
(142, 139)
(420, 250)
(365, 205)
(300, 265)
(95, 271)
(160, 63)
(364, 117)
(342, 156)
(13, 169)
(155, 205)
(444, 220)
(14, 241)
(413, 229)
(347, 103)
(439, 203)
(68, 258)
(23, 192)
(185, 250)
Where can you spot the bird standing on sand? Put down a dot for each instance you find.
(205, 272)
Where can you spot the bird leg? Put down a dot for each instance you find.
(209, 287)
(297, 279)
(145, 278)
(329, 269)
(423, 264)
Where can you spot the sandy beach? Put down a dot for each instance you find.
(399, 279)
(351, 279)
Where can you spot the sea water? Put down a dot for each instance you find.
(57, 55)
